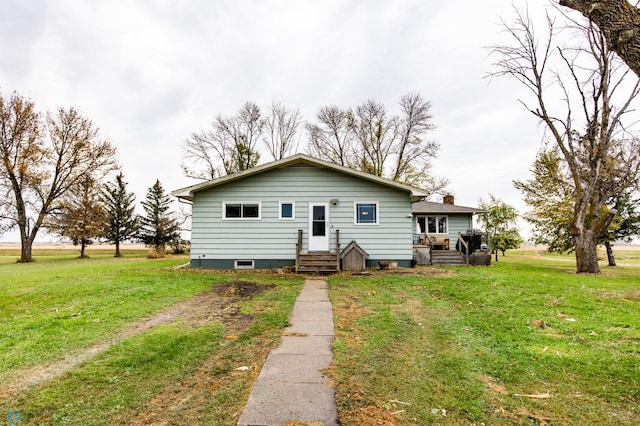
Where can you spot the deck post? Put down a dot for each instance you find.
(338, 249)
(298, 248)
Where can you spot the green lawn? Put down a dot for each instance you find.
(525, 341)
(463, 346)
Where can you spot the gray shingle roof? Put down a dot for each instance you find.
(422, 207)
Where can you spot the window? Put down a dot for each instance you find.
(287, 210)
(240, 211)
(366, 213)
(433, 224)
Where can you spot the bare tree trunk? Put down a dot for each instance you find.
(620, 23)
(118, 249)
(82, 246)
(26, 249)
(610, 257)
(586, 253)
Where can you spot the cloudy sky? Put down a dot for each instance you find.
(148, 73)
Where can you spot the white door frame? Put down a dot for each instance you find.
(319, 242)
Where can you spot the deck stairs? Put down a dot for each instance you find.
(318, 263)
(447, 258)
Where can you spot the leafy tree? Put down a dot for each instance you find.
(82, 215)
(550, 194)
(596, 91)
(158, 227)
(626, 225)
(41, 161)
(618, 20)
(499, 221)
(121, 221)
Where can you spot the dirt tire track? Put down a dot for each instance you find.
(218, 303)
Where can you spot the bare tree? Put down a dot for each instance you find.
(40, 163)
(414, 151)
(331, 138)
(619, 21)
(596, 90)
(375, 133)
(228, 147)
(372, 140)
(281, 126)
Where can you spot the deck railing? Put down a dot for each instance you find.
(464, 244)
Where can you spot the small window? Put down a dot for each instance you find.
(366, 213)
(239, 211)
(244, 264)
(287, 210)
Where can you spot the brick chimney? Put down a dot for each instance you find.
(448, 199)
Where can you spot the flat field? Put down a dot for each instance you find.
(137, 341)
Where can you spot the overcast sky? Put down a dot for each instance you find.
(148, 73)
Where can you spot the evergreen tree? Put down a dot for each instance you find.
(121, 222)
(158, 227)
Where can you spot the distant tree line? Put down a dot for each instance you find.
(54, 169)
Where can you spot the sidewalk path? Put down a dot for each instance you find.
(290, 385)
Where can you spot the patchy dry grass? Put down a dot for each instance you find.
(525, 341)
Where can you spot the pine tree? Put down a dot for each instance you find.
(158, 227)
(121, 222)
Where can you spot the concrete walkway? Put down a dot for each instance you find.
(290, 386)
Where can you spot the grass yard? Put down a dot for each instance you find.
(525, 341)
(133, 341)
(136, 341)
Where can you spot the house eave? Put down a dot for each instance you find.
(187, 193)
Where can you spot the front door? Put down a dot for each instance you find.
(318, 227)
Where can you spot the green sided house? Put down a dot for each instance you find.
(276, 213)
(302, 212)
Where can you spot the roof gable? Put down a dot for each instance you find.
(187, 193)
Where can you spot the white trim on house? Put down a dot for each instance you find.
(242, 204)
(293, 210)
(188, 192)
(356, 214)
(319, 242)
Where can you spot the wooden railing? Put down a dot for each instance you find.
(464, 244)
(298, 248)
(338, 249)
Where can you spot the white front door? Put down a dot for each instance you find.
(318, 227)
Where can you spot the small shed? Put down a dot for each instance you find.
(353, 257)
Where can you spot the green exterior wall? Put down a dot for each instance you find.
(458, 223)
(271, 242)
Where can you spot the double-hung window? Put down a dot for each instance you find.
(366, 213)
(241, 211)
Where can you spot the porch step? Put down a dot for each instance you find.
(447, 258)
(318, 263)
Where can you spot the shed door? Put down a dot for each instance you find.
(318, 227)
